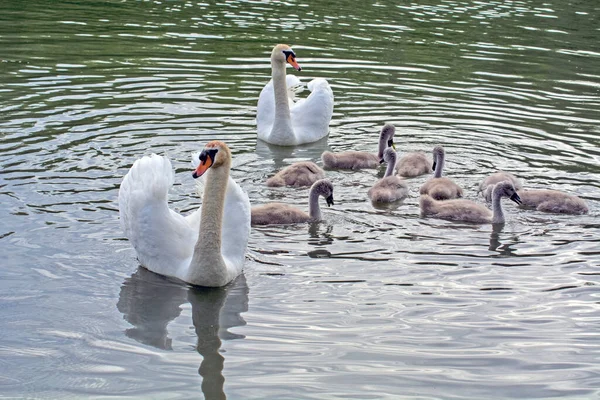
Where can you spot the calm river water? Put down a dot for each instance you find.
(369, 304)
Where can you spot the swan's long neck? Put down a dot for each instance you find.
(439, 165)
(207, 267)
(314, 211)
(282, 131)
(498, 212)
(390, 167)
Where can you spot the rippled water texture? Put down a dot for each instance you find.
(373, 302)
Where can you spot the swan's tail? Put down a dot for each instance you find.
(426, 203)
(329, 159)
(148, 180)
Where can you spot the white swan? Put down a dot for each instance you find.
(281, 123)
(391, 187)
(206, 248)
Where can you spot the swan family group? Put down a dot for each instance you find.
(207, 247)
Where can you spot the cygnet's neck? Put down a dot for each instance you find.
(391, 164)
(497, 210)
(439, 164)
(281, 132)
(207, 267)
(314, 210)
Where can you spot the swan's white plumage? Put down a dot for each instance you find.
(283, 121)
(163, 239)
(310, 116)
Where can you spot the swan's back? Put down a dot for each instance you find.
(413, 164)
(277, 214)
(456, 210)
(349, 160)
(300, 174)
(487, 185)
(553, 201)
(311, 116)
(163, 240)
(388, 189)
(236, 226)
(441, 189)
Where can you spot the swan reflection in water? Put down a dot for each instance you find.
(150, 302)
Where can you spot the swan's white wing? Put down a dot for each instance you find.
(311, 117)
(162, 239)
(236, 227)
(265, 110)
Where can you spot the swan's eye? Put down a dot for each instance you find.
(205, 154)
(289, 53)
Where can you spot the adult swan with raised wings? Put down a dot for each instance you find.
(284, 124)
(206, 248)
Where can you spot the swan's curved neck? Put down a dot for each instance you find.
(498, 212)
(282, 131)
(439, 165)
(390, 167)
(314, 211)
(207, 267)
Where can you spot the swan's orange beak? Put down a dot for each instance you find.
(207, 158)
(292, 61)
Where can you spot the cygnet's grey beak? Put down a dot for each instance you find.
(329, 200)
(381, 161)
(515, 197)
(433, 166)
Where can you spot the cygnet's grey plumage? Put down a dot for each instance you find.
(469, 211)
(391, 187)
(360, 159)
(553, 201)
(300, 174)
(413, 164)
(438, 187)
(280, 213)
(487, 185)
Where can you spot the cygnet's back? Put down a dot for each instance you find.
(391, 187)
(438, 187)
(413, 164)
(467, 210)
(300, 174)
(487, 185)
(360, 159)
(280, 213)
(553, 201)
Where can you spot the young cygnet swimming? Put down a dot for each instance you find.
(279, 213)
(487, 185)
(391, 187)
(360, 159)
(300, 174)
(553, 201)
(469, 211)
(438, 187)
(413, 164)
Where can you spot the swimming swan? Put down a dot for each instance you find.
(553, 201)
(438, 187)
(360, 159)
(469, 211)
(391, 187)
(487, 185)
(300, 174)
(413, 164)
(279, 213)
(206, 248)
(283, 124)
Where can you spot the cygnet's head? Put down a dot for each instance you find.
(438, 153)
(214, 154)
(386, 139)
(506, 189)
(283, 53)
(323, 188)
